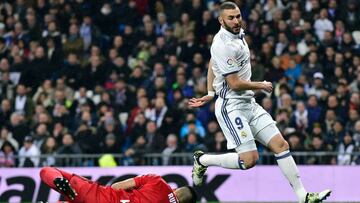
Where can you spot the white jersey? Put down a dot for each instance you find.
(230, 54)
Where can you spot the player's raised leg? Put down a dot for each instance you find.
(58, 180)
(239, 137)
(240, 160)
(288, 166)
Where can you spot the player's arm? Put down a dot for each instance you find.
(135, 182)
(197, 102)
(210, 79)
(124, 185)
(226, 60)
(235, 83)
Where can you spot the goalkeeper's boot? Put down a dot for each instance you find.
(65, 188)
(198, 170)
(316, 197)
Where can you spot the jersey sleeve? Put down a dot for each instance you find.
(143, 179)
(225, 58)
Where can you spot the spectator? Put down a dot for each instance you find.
(7, 153)
(335, 136)
(295, 143)
(188, 47)
(72, 71)
(346, 147)
(293, 72)
(23, 104)
(49, 148)
(351, 16)
(313, 108)
(87, 139)
(6, 86)
(355, 85)
(5, 112)
(29, 154)
(192, 143)
(317, 86)
(40, 135)
(354, 102)
(317, 144)
(282, 119)
(6, 136)
(53, 53)
(323, 24)
(170, 123)
(192, 125)
(161, 24)
(219, 143)
(300, 118)
(282, 46)
(268, 106)
(299, 93)
(19, 127)
(155, 142)
(39, 69)
(185, 26)
(157, 114)
(68, 146)
(133, 155)
(44, 94)
(312, 65)
(74, 42)
(356, 135)
(89, 32)
(143, 106)
(171, 147)
(122, 96)
(110, 145)
(96, 72)
(207, 25)
(106, 19)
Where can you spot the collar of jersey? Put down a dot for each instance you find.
(240, 35)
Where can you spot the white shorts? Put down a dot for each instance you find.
(243, 121)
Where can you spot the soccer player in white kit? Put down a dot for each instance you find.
(241, 119)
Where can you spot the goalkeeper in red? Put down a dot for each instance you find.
(141, 189)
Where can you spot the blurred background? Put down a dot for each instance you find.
(106, 83)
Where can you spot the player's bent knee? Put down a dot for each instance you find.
(283, 146)
(278, 144)
(249, 160)
(250, 164)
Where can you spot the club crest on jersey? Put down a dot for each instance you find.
(230, 62)
(243, 134)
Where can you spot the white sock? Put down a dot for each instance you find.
(291, 172)
(228, 160)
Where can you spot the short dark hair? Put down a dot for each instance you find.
(227, 5)
(186, 194)
(193, 194)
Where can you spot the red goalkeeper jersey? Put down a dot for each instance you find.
(148, 189)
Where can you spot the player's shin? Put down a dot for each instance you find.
(228, 160)
(291, 172)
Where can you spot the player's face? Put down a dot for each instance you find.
(231, 19)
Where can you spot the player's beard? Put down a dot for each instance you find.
(230, 29)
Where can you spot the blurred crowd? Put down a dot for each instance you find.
(114, 77)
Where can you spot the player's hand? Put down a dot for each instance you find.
(197, 102)
(267, 86)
